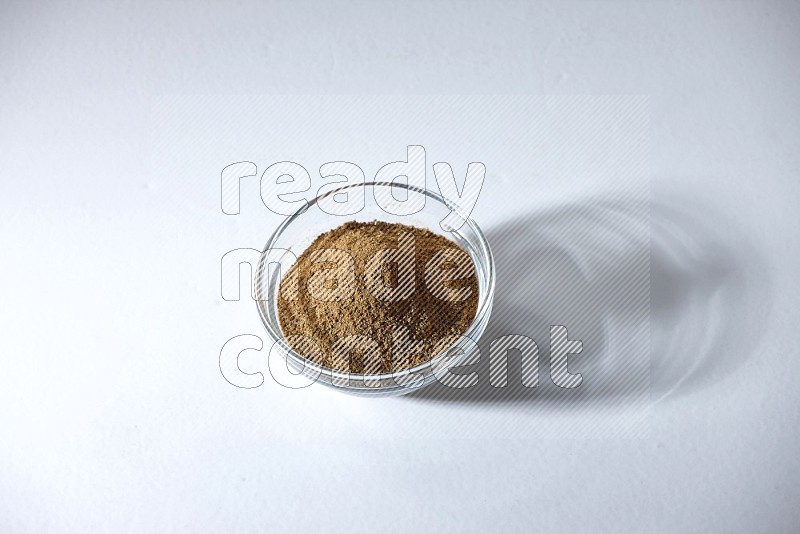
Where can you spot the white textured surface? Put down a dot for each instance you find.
(114, 415)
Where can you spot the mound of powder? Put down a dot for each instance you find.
(377, 297)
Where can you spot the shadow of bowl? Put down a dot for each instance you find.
(654, 291)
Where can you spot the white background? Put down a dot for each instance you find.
(114, 415)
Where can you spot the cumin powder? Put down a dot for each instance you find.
(377, 297)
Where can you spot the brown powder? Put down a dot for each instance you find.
(377, 297)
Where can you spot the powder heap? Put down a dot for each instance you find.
(377, 297)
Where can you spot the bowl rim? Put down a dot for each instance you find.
(310, 367)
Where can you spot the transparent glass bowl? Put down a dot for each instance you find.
(297, 232)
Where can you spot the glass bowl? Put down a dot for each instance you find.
(297, 232)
